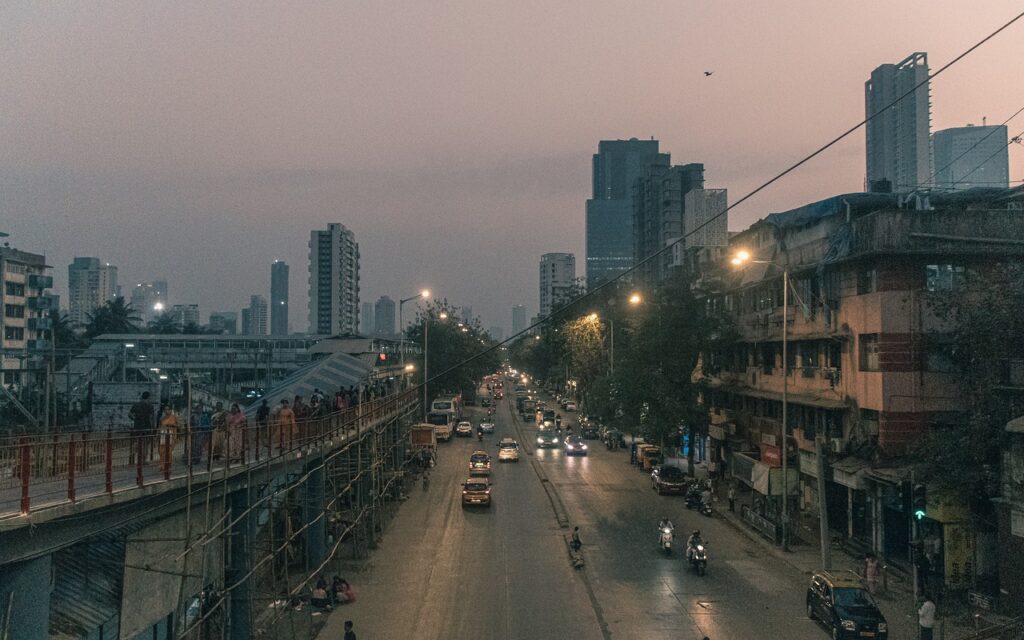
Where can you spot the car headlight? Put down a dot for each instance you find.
(882, 627)
(568, 446)
(540, 440)
(583, 446)
(849, 625)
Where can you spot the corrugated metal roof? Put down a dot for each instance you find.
(87, 585)
(329, 374)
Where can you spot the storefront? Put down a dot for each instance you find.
(766, 481)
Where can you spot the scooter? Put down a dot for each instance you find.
(698, 559)
(705, 509)
(480, 436)
(665, 540)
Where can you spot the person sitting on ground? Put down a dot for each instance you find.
(343, 591)
(319, 598)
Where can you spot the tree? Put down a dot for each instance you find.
(164, 324)
(115, 316)
(980, 341)
(460, 355)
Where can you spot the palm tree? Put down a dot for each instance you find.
(194, 329)
(115, 316)
(165, 324)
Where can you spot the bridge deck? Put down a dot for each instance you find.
(40, 474)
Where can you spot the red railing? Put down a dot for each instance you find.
(42, 470)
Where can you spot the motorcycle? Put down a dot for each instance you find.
(426, 481)
(698, 559)
(480, 436)
(705, 509)
(665, 540)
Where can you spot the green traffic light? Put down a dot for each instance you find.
(919, 514)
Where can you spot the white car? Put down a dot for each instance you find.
(487, 427)
(570, 406)
(464, 429)
(508, 450)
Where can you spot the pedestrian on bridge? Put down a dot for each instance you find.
(236, 434)
(286, 429)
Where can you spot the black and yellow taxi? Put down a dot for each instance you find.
(846, 608)
(479, 463)
(476, 492)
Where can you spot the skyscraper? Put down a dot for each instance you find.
(972, 156)
(384, 316)
(90, 284)
(497, 333)
(366, 319)
(257, 315)
(658, 210)
(609, 235)
(185, 314)
(333, 281)
(899, 147)
(557, 277)
(245, 322)
(149, 299)
(279, 298)
(518, 318)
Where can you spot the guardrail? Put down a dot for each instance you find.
(1013, 630)
(41, 470)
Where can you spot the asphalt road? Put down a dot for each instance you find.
(442, 571)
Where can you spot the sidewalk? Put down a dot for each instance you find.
(894, 595)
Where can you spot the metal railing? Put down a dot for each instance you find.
(48, 469)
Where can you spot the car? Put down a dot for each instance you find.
(476, 492)
(570, 406)
(487, 426)
(464, 429)
(548, 437)
(508, 450)
(842, 603)
(480, 461)
(667, 478)
(589, 431)
(499, 394)
(575, 446)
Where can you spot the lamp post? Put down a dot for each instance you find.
(424, 294)
(741, 258)
(124, 360)
(426, 353)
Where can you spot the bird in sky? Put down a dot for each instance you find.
(708, 73)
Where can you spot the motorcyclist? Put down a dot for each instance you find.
(479, 433)
(692, 542)
(666, 524)
(705, 497)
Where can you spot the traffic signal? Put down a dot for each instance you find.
(920, 502)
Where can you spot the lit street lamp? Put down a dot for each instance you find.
(423, 295)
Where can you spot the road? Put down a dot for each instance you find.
(445, 572)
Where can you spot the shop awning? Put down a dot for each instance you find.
(889, 475)
(850, 472)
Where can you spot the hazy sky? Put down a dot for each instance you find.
(199, 141)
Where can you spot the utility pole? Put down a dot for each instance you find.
(826, 547)
(785, 409)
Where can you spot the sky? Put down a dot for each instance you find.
(199, 142)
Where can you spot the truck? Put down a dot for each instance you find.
(442, 423)
(422, 438)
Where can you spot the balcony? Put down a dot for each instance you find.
(37, 281)
(41, 303)
(38, 345)
(40, 324)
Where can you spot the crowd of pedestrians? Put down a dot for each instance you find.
(222, 432)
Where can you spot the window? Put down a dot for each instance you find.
(14, 310)
(866, 280)
(869, 352)
(14, 333)
(14, 289)
(944, 277)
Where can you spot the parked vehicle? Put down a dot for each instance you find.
(442, 425)
(668, 478)
(845, 607)
(648, 456)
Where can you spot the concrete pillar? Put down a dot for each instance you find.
(312, 507)
(243, 534)
(25, 592)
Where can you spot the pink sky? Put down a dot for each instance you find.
(200, 141)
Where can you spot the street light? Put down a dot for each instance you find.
(423, 295)
(742, 256)
(124, 360)
(635, 299)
